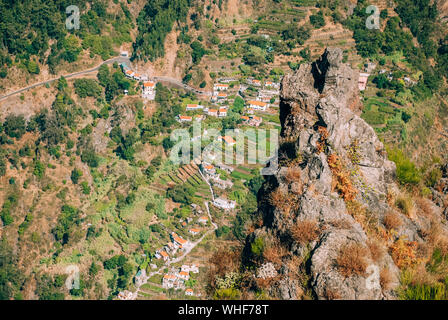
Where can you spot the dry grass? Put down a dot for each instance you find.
(274, 253)
(305, 231)
(284, 201)
(351, 260)
(293, 174)
(392, 221)
(332, 294)
(425, 207)
(386, 279)
(405, 204)
(341, 179)
(341, 224)
(376, 250)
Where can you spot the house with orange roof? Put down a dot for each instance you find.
(189, 292)
(213, 112)
(168, 281)
(184, 275)
(194, 231)
(179, 241)
(148, 90)
(222, 112)
(257, 105)
(220, 87)
(222, 95)
(228, 140)
(181, 118)
(255, 121)
(164, 255)
(203, 219)
(129, 73)
(208, 168)
(245, 118)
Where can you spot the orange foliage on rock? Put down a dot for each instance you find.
(341, 179)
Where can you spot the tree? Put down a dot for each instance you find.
(87, 88)
(15, 126)
(76, 174)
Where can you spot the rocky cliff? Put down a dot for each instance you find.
(330, 223)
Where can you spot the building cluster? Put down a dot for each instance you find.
(252, 120)
(177, 277)
(224, 204)
(148, 87)
(171, 248)
(125, 295)
(212, 176)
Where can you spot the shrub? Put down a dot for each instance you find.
(407, 173)
(351, 260)
(15, 126)
(404, 203)
(385, 279)
(75, 175)
(305, 231)
(392, 221)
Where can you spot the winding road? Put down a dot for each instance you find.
(120, 59)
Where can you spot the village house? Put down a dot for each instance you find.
(222, 112)
(213, 112)
(164, 255)
(168, 281)
(220, 87)
(194, 231)
(221, 96)
(362, 82)
(125, 295)
(208, 169)
(271, 84)
(129, 73)
(137, 76)
(194, 107)
(203, 220)
(254, 82)
(184, 275)
(224, 204)
(148, 90)
(257, 105)
(181, 118)
(199, 117)
(228, 140)
(255, 121)
(178, 241)
(189, 292)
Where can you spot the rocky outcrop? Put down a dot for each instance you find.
(328, 200)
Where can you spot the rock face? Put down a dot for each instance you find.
(329, 195)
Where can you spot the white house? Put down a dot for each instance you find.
(168, 281)
(203, 220)
(184, 275)
(258, 105)
(181, 118)
(220, 87)
(129, 73)
(189, 292)
(227, 139)
(148, 90)
(224, 204)
(194, 231)
(194, 107)
(222, 112)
